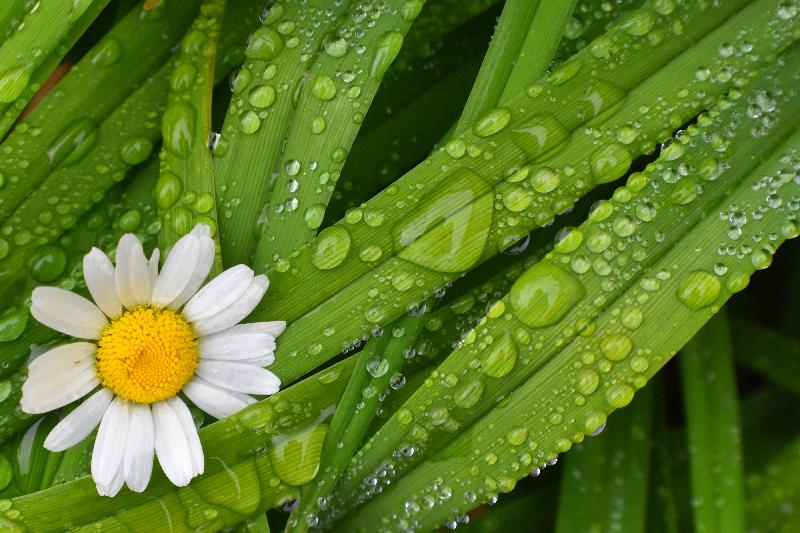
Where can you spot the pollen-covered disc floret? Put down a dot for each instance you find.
(147, 355)
(153, 339)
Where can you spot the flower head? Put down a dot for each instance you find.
(153, 335)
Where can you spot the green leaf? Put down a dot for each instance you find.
(48, 29)
(713, 429)
(315, 299)
(604, 480)
(605, 348)
(185, 192)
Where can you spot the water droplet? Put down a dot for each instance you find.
(330, 248)
(13, 81)
(336, 47)
(265, 44)
(323, 88)
(177, 128)
(698, 290)
(106, 53)
(135, 150)
(517, 436)
(492, 122)
(616, 347)
(386, 52)
(469, 395)
(544, 294)
(250, 123)
(609, 163)
(74, 143)
(619, 395)
(262, 96)
(168, 190)
(499, 358)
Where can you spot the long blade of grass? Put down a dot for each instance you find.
(407, 248)
(713, 429)
(330, 110)
(537, 51)
(509, 36)
(598, 329)
(48, 28)
(104, 153)
(185, 192)
(377, 366)
(63, 127)
(265, 93)
(604, 479)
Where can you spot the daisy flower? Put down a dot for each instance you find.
(151, 335)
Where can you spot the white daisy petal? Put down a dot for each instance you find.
(113, 487)
(204, 261)
(221, 292)
(190, 432)
(172, 448)
(177, 272)
(238, 377)
(236, 343)
(67, 312)
(152, 268)
(57, 360)
(109, 446)
(59, 377)
(217, 402)
(80, 423)
(260, 362)
(99, 275)
(139, 449)
(132, 276)
(236, 312)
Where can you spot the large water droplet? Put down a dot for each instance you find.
(698, 289)
(330, 248)
(544, 294)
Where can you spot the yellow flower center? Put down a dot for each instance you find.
(147, 355)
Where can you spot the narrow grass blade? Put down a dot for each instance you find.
(330, 110)
(768, 352)
(376, 372)
(402, 242)
(537, 51)
(507, 41)
(713, 429)
(106, 152)
(604, 480)
(265, 93)
(607, 349)
(51, 28)
(64, 126)
(185, 192)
